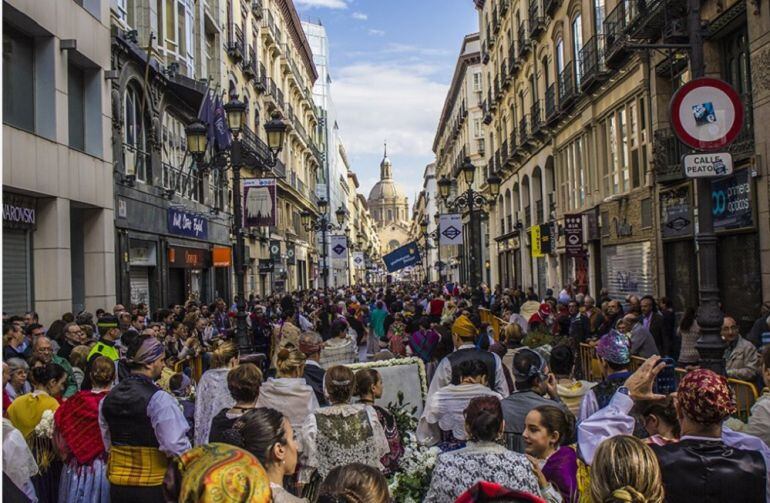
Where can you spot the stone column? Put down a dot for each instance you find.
(51, 260)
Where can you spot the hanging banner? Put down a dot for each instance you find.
(451, 229)
(537, 251)
(547, 239)
(259, 202)
(291, 254)
(573, 235)
(407, 255)
(339, 246)
(358, 260)
(275, 251)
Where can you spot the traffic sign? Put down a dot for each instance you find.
(708, 165)
(706, 114)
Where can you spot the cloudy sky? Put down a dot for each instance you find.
(391, 65)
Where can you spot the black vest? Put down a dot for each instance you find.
(605, 390)
(125, 410)
(710, 471)
(466, 354)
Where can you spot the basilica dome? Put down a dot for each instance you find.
(386, 188)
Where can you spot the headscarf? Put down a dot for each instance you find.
(615, 348)
(464, 328)
(705, 397)
(150, 350)
(309, 348)
(222, 473)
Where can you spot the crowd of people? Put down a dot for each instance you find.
(127, 405)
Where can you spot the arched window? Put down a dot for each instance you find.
(136, 155)
(577, 44)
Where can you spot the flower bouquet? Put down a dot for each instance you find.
(410, 483)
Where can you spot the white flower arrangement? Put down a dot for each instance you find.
(410, 483)
(45, 427)
(395, 362)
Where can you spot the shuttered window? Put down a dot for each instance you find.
(17, 272)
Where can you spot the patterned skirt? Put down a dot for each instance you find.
(84, 483)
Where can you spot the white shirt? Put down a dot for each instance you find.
(443, 375)
(444, 411)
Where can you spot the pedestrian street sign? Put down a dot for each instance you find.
(706, 114)
(708, 165)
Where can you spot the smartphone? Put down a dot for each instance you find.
(666, 381)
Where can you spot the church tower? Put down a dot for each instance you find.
(389, 207)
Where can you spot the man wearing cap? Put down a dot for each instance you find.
(109, 332)
(142, 427)
(614, 352)
(464, 334)
(709, 462)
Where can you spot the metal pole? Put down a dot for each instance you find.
(325, 270)
(439, 265)
(241, 329)
(709, 345)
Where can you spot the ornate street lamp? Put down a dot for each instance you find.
(276, 130)
(235, 158)
(321, 223)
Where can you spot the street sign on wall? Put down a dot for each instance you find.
(706, 114)
(708, 165)
(731, 201)
(573, 235)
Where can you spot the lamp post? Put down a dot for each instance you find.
(424, 231)
(237, 158)
(472, 201)
(323, 224)
(439, 265)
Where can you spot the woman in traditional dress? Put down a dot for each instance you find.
(243, 382)
(268, 435)
(212, 394)
(32, 415)
(369, 389)
(363, 440)
(547, 435)
(84, 476)
(483, 459)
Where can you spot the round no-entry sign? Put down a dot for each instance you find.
(706, 114)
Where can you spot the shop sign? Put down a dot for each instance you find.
(191, 258)
(222, 256)
(19, 212)
(184, 223)
(547, 239)
(275, 250)
(537, 250)
(291, 254)
(142, 254)
(265, 266)
(573, 235)
(731, 201)
(708, 165)
(676, 212)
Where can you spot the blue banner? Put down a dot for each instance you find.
(405, 256)
(187, 224)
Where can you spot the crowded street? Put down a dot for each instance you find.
(366, 251)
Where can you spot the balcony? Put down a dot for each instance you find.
(503, 155)
(235, 44)
(480, 146)
(567, 89)
(514, 152)
(536, 118)
(261, 82)
(514, 65)
(615, 24)
(648, 19)
(269, 30)
(550, 6)
(525, 44)
(536, 19)
(250, 68)
(593, 69)
(525, 135)
(186, 183)
(486, 112)
(484, 56)
(551, 110)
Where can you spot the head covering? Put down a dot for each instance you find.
(544, 310)
(308, 347)
(615, 348)
(150, 350)
(490, 491)
(222, 473)
(705, 397)
(464, 328)
(106, 322)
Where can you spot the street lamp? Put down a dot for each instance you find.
(471, 200)
(437, 234)
(236, 157)
(321, 223)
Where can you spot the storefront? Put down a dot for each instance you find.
(740, 286)
(19, 221)
(679, 258)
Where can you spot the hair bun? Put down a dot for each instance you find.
(283, 353)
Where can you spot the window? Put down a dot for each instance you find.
(76, 106)
(175, 33)
(477, 133)
(599, 10)
(136, 156)
(18, 79)
(390, 215)
(735, 48)
(577, 44)
(477, 82)
(559, 55)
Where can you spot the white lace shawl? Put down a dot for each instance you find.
(212, 396)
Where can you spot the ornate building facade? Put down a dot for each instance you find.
(389, 208)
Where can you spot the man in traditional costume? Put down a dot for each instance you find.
(142, 427)
(464, 334)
